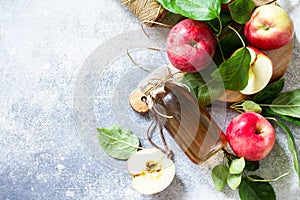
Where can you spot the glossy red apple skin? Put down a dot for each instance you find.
(190, 45)
(269, 27)
(251, 136)
(225, 6)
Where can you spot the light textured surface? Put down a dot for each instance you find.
(43, 46)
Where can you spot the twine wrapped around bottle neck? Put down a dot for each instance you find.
(148, 11)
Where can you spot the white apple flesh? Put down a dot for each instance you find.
(151, 171)
(190, 45)
(269, 27)
(260, 72)
(251, 136)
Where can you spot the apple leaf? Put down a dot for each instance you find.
(230, 42)
(241, 10)
(202, 10)
(287, 103)
(118, 142)
(269, 93)
(219, 176)
(234, 180)
(205, 90)
(225, 18)
(293, 120)
(251, 106)
(237, 166)
(252, 165)
(256, 190)
(292, 147)
(234, 71)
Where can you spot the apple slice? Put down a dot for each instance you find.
(260, 72)
(151, 171)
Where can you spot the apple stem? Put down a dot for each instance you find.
(237, 33)
(284, 106)
(258, 131)
(270, 180)
(220, 47)
(215, 30)
(221, 27)
(217, 35)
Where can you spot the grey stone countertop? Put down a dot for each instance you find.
(50, 83)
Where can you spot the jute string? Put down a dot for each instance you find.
(146, 10)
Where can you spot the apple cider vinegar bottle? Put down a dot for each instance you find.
(187, 121)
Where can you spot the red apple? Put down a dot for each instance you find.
(225, 6)
(251, 136)
(269, 27)
(190, 45)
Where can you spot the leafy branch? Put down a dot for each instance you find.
(234, 173)
(291, 145)
(285, 106)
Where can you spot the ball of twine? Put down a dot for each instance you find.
(148, 11)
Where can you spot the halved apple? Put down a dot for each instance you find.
(151, 171)
(260, 71)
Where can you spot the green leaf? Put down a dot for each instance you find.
(230, 42)
(252, 165)
(241, 10)
(219, 176)
(269, 93)
(251, 106)
(237, 166)
(205, 90)
(293, 120)
(234, 71)
(202, 10)
(118, 142)
(225, 21)
(292, 146)
(234, 180)
(249, 190)
(287, 103)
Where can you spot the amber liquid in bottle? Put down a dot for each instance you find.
(188, 122)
